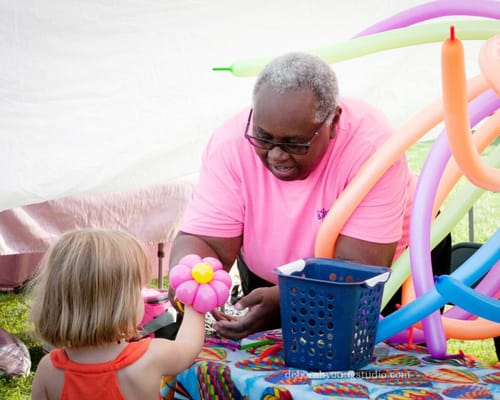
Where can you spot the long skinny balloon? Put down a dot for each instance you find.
(409, 36)
(435, 9)
(454, 211)
(482, 261)
(456, 116)
(371, 171)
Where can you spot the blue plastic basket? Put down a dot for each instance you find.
(329, 313)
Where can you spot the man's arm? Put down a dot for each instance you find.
(363, 252)
(225, 249)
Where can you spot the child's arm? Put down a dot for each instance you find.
(174, 356)
(191, 333)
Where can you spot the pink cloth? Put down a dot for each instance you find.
(236, 195)
(151, 214)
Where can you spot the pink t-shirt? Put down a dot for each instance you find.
(236, 195)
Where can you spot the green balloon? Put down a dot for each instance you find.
(403, 37)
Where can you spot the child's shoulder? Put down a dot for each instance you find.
(48, 379)
(45, 361)
(135, 350)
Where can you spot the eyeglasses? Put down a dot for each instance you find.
(290, 148)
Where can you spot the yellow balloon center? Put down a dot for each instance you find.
(202, 272)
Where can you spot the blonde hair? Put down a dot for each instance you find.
(88, 289)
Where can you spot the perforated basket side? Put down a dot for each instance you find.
(328, 325)
(365, 325)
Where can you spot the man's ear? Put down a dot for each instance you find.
(335, 121)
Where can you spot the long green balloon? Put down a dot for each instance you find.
(462, 201)
(403, 37)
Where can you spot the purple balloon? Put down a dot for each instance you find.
(435, 9)
(420, 224)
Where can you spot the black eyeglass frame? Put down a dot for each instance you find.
(299, 149)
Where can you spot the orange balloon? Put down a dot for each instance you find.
(373, 169)
(455, 107)
(463, 146)
(408, 291)
(456, 115)
(468, 329)
(485, 135)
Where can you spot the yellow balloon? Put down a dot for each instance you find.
(202, 272)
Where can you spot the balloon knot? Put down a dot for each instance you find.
(230, 69)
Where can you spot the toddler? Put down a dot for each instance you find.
(87, 304)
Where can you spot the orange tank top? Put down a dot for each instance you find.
(96, 381)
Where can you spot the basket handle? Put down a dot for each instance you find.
(294, 266)
(377, 279)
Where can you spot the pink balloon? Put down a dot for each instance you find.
(190, 260)
(489, 62)
(179, 274)
(224, 277)
(214, 262)
(187, 291)
(221, 291)
(205, 299)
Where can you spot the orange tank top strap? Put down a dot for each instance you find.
(96, 381)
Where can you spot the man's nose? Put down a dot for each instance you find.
(277, 153)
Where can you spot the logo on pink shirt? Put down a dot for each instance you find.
(320, 214)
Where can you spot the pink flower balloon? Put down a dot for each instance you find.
(201, 283)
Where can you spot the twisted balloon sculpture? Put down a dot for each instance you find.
(395, 32)
(201, 283)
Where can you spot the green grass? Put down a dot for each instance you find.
(14, 310)
(486, 210)
(13, 318)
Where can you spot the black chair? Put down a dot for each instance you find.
(460, 252)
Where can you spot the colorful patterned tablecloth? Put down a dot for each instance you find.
(255, 370)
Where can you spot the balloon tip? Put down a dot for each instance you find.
(222, 69)
(452, 32)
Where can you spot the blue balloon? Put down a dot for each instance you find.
(459, 294)
(470, 271)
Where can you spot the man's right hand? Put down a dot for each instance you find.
(263, 313)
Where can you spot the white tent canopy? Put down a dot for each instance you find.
(105, 95)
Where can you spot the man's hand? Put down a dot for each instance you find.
(172, 299)
(263, 313)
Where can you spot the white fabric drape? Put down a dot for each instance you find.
(107, 95)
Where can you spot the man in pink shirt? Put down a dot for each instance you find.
(271, 173)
